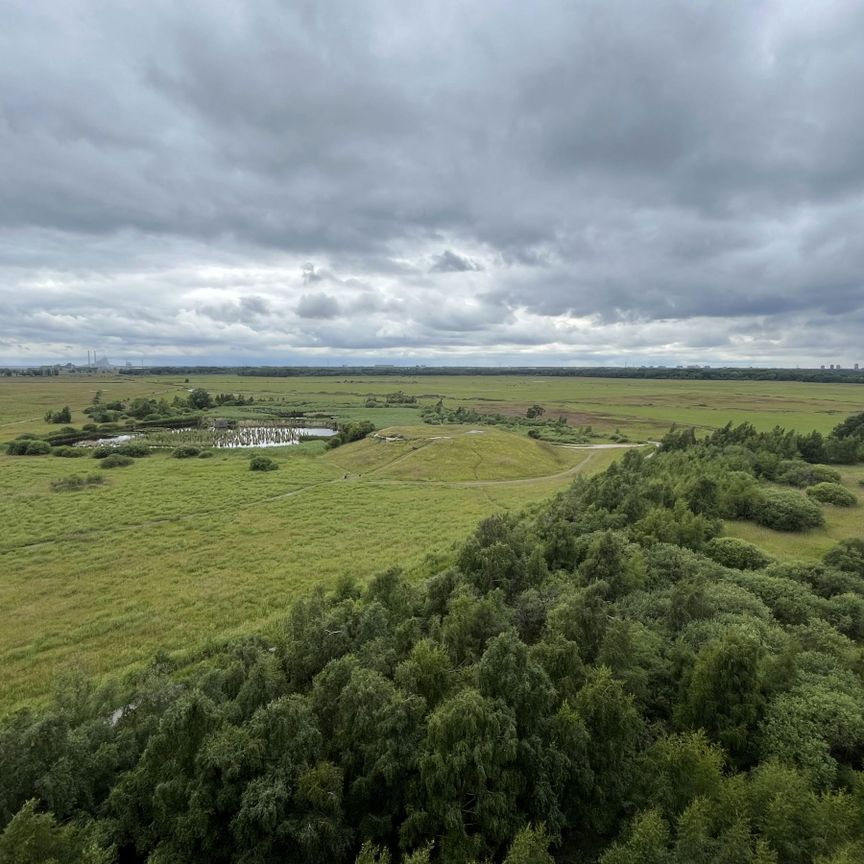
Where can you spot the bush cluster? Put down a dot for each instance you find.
(794, 472)
(351, 432)
(136, 449)
(739, 554)
(786, 511)
(833, 493)
(262, 463)
(69, 452)
(76, 482)
(116, 460)
(187, 451)
(28, 447)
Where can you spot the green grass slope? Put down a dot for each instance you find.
(453, 453)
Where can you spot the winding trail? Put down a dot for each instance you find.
(352, 479)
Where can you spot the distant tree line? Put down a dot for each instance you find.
(726, 373)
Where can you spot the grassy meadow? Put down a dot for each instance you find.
(173, 554)
(641, 409)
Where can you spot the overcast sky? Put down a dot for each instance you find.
(482, 181)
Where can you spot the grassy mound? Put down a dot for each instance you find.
(453, 453)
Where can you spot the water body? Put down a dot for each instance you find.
(266, 436)
(98, 442)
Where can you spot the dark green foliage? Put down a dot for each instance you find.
(797, 473)
(199, 399)
(136, 449)
(832, 493)
(851, 427)
(187, 451)
(28, 447)
(732, 552)
(602, 680)
(351, 432)
(262, 463)
(116, 460)
(786, 511)
(69, 452)
(724, 696)
(64, 415)
(847, 555)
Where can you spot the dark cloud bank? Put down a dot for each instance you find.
(548, 182)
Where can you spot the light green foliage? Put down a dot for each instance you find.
(530, 846)
(35, 838)
(832, 493)
(648, 841)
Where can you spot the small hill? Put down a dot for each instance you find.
(453, 453)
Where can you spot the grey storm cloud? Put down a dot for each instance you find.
(579, 181)
(450, 262)
(318, 306)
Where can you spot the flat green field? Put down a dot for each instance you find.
(642, 409)
(172, 554)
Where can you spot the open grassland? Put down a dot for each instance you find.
(641, 409)
(811, 545)
(170, 554)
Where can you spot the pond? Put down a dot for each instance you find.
(240, 437)
(98, 442)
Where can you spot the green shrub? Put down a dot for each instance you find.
(133, 448)
(102, 451)
(205, 454)
(116, 460)
(793, 472)
(847, 555)
(188, 451)
(833, 493)
(28, 447)
(69, 452)
(739, 554)
(76, 482)
(786, 511)
(262, 463)
(351, 432)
